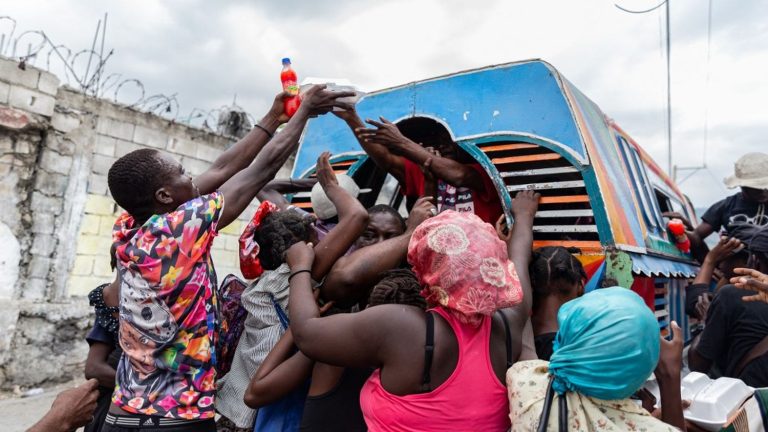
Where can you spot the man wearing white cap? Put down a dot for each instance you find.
(746, 207)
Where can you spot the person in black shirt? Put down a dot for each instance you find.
(735, 327)
(557, 277)
(749, 206)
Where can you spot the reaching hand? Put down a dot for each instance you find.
(723, 249)
(422, 210)
(754, 280)
(71, 409)
(300, 256)
(671, 354)
(277, 111)
(346, 115)
(325, 175)
(525, 204)
(676, 215)
(385, 133)
(317, 100)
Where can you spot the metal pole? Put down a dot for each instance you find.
(669, 98)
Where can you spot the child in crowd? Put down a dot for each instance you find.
(557, 277)
(275, 232)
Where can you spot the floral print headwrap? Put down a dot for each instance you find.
(463, 266)
(250, 265)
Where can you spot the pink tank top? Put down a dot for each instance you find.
(471, 399)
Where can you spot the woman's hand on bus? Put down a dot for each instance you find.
(525, 204)
(751, 279)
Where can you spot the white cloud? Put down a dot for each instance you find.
(208, 51)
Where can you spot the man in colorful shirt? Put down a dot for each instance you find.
(420, 153)
(168, 304)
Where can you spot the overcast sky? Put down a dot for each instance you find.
(205, 52)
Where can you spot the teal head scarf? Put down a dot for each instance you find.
(607, 345)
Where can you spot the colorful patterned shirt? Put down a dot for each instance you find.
(168, 311)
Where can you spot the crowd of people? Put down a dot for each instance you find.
(361, 319)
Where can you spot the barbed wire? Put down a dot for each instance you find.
(85, 70)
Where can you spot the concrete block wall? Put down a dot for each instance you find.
(56, 147)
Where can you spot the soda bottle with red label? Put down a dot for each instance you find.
(290, 85)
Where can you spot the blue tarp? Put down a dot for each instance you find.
(654, 266)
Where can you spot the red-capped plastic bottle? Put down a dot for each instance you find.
(677, 229)
(290, 85)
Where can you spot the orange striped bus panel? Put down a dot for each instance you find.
(343, 163)
(564, 199)
(526, 158)
(502, 147)
(303, 205)
(564, 213)
(583, 245)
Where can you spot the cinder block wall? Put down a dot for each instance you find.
(56, 147)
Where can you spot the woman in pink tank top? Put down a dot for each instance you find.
(443, 369)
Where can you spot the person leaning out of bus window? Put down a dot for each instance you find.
(745, 207)
(414, 145)
(735, 335)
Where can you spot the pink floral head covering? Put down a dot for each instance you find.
(463, 266)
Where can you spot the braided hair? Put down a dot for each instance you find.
(553, 264)
(398, 286)
(278, 232)
(134, 178)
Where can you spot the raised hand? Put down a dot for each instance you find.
(277, 111)
(753, 280)
(325, 175)
(300, 256)
(422, 210)
(317, 100)
(671, 354)
(385, 133)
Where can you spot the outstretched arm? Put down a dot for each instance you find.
(274, 190)
(387, 135)
(240, 190)
(237, 157)
(358, 340)
(353, 218)
(354, 275)
(389, 162)
(283, 370)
